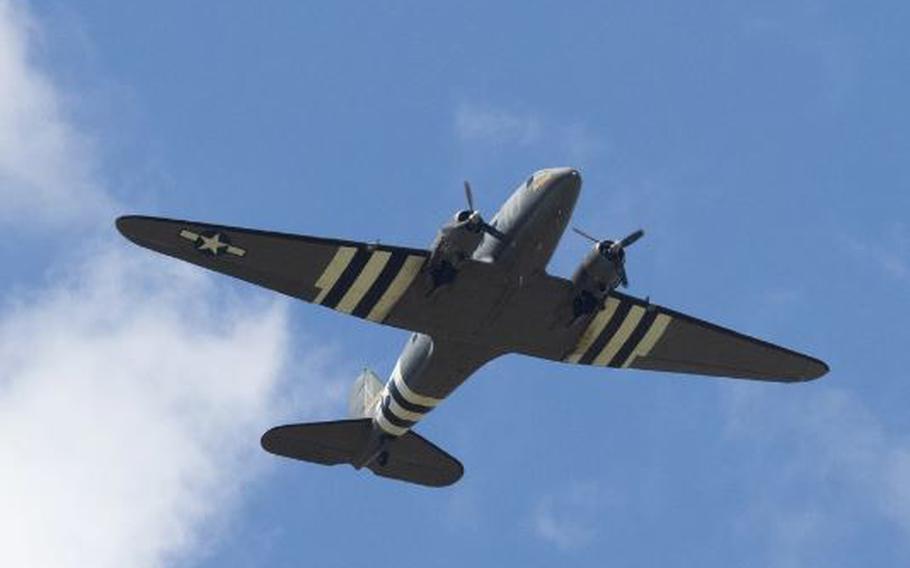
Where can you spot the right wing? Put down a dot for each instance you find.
(633, 333)
(360, 279)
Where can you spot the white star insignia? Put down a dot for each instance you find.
(212, 243)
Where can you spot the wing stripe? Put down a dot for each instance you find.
(364, 281)
(397, 289)
(644, 324)
(333, 271)
(381, 285)
(608, 332)
(346, 280)
(593, 330)
(655, 332)
(619, 338)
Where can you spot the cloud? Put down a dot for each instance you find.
(130, 405)
(496, 126)
(45, 164)
(133, 389)
(825, 443)
(568, 518)
(488, 126)
(890, 254)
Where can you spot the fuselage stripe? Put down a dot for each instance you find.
(382, 283)
(408, 394)
(634, 339)
(397, 288)
(387, 426)
(333, 271)
(364, 281)
(392, 418)
(655, 332)
(347, 278)
(619, 338)
(597, 324)
(401, 401)
(609, 330)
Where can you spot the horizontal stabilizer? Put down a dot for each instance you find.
(409, 458)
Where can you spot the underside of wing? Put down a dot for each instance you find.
(364, 280)
(632, 333)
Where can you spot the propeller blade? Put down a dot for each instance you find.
(469, 195)
(632, 238)
(585, 235)
(623, 279)
(490, 229)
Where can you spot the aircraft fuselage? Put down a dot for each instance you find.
(533, 220)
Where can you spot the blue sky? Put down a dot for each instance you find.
(762, 146)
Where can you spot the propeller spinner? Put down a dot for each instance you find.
(614, 251)
(472, 217)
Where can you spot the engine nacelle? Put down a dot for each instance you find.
(598, 274)
(456, 242)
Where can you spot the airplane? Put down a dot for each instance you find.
(480, 291)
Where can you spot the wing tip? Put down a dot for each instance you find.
(815, 369)
(126, 225)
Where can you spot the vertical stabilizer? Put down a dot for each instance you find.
(365, 394)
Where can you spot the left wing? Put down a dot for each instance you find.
(360, 279)
(633, 333)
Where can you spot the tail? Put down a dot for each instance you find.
(409, 458)
(365, 394)
(359, 442)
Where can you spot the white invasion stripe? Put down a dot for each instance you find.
(619, 338)
(364, 280)
(597, 325)
(402, 413)
(655, 332)
(388, 426)
(397, 288)
(333, 271)
(410, 395)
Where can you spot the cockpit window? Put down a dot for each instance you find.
(530, 181)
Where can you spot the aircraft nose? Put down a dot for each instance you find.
(569, 179)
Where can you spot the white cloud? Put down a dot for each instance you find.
(133, 389)
(131, 400)
(488, 126)
(568, 518)
(496, 126)
(826, 443)
(890, 253)
(45, 164)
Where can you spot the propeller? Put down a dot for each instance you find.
(472, 216)
(614, 250)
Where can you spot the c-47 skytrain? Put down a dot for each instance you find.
(480, 291)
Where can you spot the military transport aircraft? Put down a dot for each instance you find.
(480, 291)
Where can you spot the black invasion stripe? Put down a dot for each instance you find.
(622, 310)
(382, 283)
(390, 416)
(347, 278)
(404, 403)
(644, 324)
